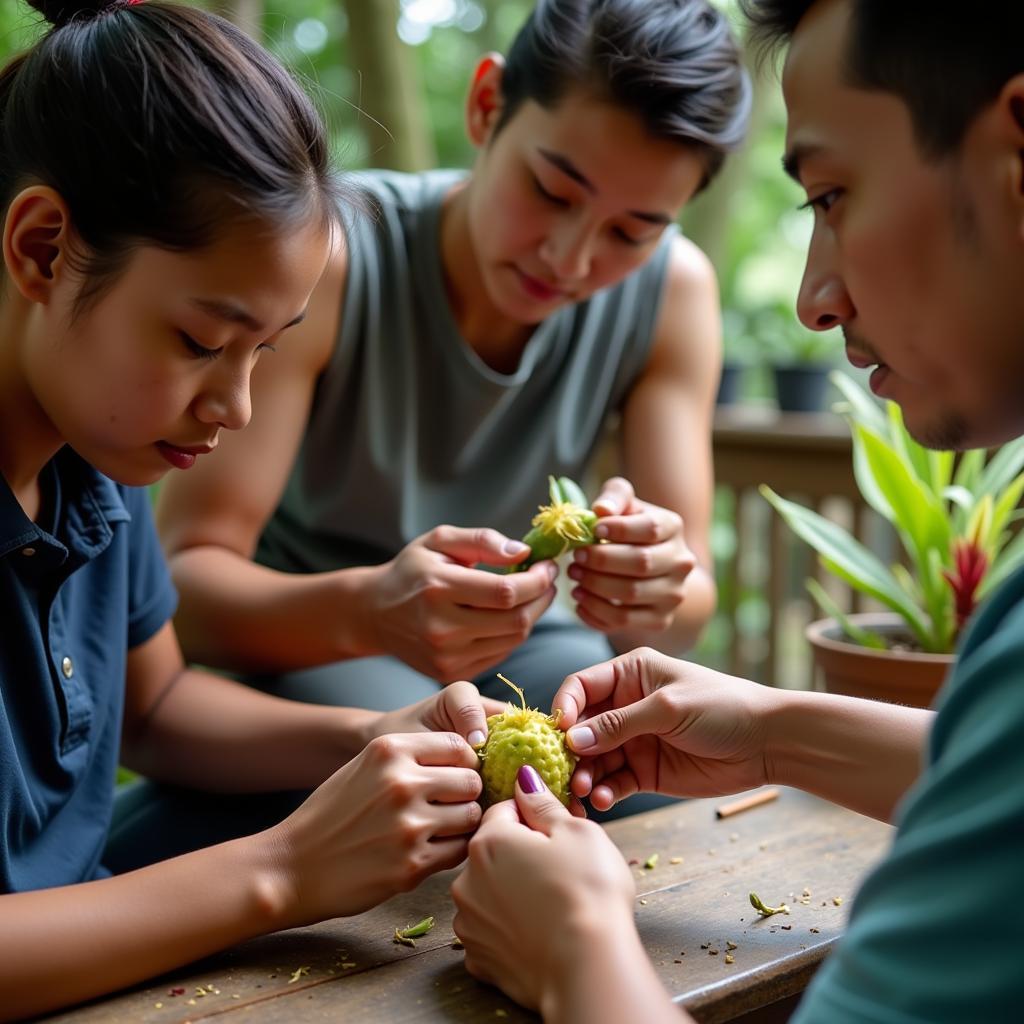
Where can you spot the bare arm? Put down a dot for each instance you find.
(862, 754)
(667, 435)
(60, 946)
(686, 730)
(195, 729)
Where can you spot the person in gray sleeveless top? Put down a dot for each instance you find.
(475, 333)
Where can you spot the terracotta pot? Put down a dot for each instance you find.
(900, 677)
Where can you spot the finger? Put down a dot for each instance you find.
(640, 561)
(515, 625)
(451, 785)
(472, 545)
(462, 711)
(539, 808)
(445, 853)
(478, 589)
(614, 498)
(649, 716)
(454, 819)
(630, 591)
(500, 815)
(613, 788)
(612, 618)
(594, 685)
(435, 748)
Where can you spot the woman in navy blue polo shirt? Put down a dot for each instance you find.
(165, 219)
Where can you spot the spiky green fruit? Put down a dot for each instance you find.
(521, 736)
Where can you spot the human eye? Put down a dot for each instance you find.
(199, 351)
(824, 202)
(628, 239)
(547, 196)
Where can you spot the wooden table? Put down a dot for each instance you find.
(689, 913)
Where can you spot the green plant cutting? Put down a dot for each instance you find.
(953, 517)
(565, 524)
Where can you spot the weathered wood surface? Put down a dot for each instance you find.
(350, 969)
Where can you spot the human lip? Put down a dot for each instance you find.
(539, 289)
(183, 457)
(859, 359)
(878, 380)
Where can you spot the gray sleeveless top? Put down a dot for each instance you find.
(410, 428)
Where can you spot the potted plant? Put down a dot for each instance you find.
(801, 359)
(953, 518)
(738, 353)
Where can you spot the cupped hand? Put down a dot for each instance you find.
(432, 609)
(635, 579)
(644, 722)
(400, 810)
(539, 887)
(458, 708)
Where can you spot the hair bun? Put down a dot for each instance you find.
(60, 12)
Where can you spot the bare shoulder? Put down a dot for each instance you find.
(688, 330)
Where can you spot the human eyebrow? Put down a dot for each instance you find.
(566, 166)
(795, 157)
(237, 315)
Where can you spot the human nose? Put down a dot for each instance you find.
(225, 399)
(569, 250)
(823, 301)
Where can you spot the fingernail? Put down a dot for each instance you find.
(580, 557)
(528, 779)
(514, 547)
(602, 532)
(581, 737)
(477, 738)
(575, 572)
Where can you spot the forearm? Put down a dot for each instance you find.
(215, 734)
(61, 946)
(699, 599)
(608, 978)
(243, 616)
(859, 753)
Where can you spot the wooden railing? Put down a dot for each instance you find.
(807, 457)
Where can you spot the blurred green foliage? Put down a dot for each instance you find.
(748, 221)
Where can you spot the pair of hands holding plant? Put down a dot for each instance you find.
(538, 904)
(432, 609)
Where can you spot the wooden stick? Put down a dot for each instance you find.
(745, 803)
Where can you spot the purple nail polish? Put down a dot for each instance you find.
(528, 779)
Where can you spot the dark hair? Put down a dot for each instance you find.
(944, 64)
(157, 124)
(674, 63)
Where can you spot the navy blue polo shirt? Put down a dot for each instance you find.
(78, 589)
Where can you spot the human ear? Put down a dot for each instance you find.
(36, 232)
(484, 102)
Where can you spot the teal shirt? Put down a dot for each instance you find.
(937, 931)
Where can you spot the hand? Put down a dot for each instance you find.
(635, 580)
(644, 722)
(457, 708)
(396, 813)
(540, 888)
(448, 620)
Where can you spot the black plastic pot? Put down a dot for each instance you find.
(801, 388)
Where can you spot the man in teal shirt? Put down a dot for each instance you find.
(906, 133)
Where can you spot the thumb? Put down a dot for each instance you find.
(615, 498)
(612, 728)
(539, 808)
(464, 711)
(470, 546)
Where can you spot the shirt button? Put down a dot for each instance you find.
(67, 667)
(28, 552)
